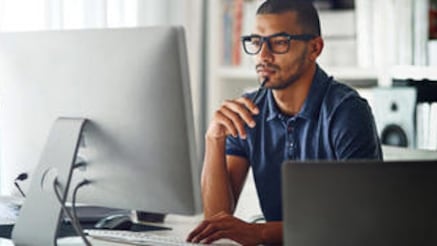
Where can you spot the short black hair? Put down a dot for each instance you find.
(307, 15)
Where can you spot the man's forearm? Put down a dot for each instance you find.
(216, 189)
(271, 232)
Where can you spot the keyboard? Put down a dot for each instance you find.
(137, 238)
(8, 211)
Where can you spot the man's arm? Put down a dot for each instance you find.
(222, 181)
(222, 178)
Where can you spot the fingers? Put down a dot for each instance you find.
(241, 110)
(216, 235)
(212, 229)
(227, 123)
(199, 229)
(233, 115)
(249, 104)
(208, 232)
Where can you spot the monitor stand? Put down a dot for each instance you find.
(39, 218)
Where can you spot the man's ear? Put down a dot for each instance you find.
(315, 48)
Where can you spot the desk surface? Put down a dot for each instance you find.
(181, 226)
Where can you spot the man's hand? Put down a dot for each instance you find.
(223, 225)
(231, 117)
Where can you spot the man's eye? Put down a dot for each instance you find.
(280, 42)
(255, 42)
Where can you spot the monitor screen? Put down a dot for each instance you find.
(131, 86)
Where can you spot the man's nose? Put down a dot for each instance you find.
(265, 54)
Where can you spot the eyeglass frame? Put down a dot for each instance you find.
(266, 39)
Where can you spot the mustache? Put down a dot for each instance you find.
(269, 66)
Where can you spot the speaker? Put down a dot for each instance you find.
(394, 112)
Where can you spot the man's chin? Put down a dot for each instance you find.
(281, 86)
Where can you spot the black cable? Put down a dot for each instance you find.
(21, 177)
(77, 227)
(73, 203)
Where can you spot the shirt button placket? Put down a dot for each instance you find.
(290, 140)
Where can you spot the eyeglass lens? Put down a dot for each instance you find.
(276, 44)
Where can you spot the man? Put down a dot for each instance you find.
(301, 114)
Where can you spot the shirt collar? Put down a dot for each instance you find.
(312, 103)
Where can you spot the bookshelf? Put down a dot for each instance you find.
(228, 80)
(380, 36)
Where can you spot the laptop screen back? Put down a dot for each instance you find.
(360, 203)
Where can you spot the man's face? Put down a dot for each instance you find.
(281, 69)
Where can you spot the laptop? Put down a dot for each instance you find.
(359, 203)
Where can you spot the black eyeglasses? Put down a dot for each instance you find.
(278, 43)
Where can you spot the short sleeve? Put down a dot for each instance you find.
(353, 129)
(234, 146)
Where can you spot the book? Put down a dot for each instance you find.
(227, 23)
(432, 19)
(383, 34)
(237, 32)
(403, 22)
(249, 13)
(433, 127)
(422, 124)
(421, 25)
(432, 52)
(364, 27)
(392, 33)
(340, 43)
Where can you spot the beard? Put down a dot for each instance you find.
(285, 83)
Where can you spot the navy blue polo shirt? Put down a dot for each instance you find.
(334, 123)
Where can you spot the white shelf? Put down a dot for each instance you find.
(236, 73)
(340, 73)
(414, 72)
(352, 73)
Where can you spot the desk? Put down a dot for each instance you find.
(401, 153)
(181, 226)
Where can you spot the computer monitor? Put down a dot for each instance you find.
(124, 99)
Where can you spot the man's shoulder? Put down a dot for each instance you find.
(333, 90)
(337, 92)
(339, 95)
